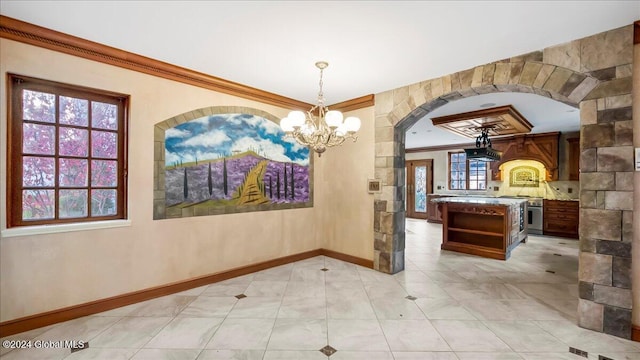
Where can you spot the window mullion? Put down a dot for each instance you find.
(466, 179)
(56, 162)
(89, 157)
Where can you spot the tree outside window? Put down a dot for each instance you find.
(67, 151)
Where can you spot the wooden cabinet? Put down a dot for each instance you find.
(490, 231)
(434, 213)
(574, 158)
(561, 218)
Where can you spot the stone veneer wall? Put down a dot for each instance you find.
(594, 74)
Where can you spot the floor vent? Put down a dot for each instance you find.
(579, 352)
(550, 271)
(602, 357)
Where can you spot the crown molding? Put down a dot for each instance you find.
(24, 32)
(355, 104)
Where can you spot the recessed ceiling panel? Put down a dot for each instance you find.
(501, 120)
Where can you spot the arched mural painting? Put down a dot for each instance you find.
(214, 161)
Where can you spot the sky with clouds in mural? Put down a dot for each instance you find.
(217, 136)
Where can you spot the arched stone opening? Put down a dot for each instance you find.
(601, 89)
(409, 105)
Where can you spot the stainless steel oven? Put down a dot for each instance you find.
(534, 216)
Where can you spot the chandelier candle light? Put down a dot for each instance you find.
(326, 129)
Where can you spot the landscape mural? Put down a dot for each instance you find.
(232, 161)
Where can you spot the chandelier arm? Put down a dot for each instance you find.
(336, 141)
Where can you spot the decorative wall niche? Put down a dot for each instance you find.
(524, 176)
(223, 160)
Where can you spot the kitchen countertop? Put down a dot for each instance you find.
(500, 197)
(481, 200)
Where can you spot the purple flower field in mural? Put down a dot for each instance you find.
(265, 168)
(282, 193)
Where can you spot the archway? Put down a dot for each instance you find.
(606, 155)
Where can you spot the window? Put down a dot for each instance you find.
(466, 174)
(67, 153)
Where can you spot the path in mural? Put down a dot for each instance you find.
(252, 190)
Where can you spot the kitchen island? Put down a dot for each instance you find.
(484, 226)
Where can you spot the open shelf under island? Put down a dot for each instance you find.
(489, 227)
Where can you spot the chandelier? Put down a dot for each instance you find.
(320, 128)
(483, 150)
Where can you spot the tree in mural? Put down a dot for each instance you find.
(210, 181)
(278, 185)
(186, 185)
(292, 183)
(224, 177)
(285, 181)
(264, 189)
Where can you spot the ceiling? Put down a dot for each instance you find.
(371, 46)
(543, 113)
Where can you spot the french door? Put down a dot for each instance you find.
(419, 176)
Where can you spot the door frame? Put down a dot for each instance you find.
(410, 177)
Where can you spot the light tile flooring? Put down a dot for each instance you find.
(460, 307)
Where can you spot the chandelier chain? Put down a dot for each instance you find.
(320, 93)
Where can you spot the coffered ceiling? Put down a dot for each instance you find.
(371, 46)
(496, 121)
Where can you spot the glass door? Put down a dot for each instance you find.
(419, 178)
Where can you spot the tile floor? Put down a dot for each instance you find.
(444, 306)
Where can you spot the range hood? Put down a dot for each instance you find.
(483, 154)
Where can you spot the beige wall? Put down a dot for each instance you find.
(39, 273)
(345, 208)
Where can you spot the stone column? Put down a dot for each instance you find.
(635, 285)
(388, 223)
(607, 185)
